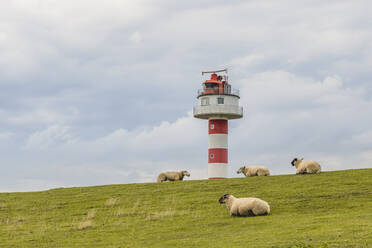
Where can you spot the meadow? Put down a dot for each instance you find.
(332, 209)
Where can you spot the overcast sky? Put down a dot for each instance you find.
(101, 92)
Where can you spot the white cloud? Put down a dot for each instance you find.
(41, 116)
(364, 138)
(245, 62)
(50, 137)
(135, 37)
(350, 161)
(288, 116)
(31, 185)
(122, 155)
(5, 135)
(38, 32)
(285, 116)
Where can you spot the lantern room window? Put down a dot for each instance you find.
(211, 86)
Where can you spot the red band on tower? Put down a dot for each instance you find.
(217, 155)
(218, 126)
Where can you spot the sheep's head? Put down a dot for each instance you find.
(185, 173)
(296, 161)
(224, 198)
(241, 169)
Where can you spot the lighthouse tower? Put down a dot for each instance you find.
(218, 103)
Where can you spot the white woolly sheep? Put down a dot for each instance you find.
(245, 206)
(250, 171)
(172, 176)
(305, 167)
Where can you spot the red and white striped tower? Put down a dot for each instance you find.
(218, 103)
(217, 148)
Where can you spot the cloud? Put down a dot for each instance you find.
(288, 116)
(41, 116)
(50, 137)
(135, 37)
(28, 185)
(121, 156)
(5, 135)
(364, 138)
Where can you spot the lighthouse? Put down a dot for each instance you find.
(218, 103)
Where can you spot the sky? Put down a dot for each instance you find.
(101, 92)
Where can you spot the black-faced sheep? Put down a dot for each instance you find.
(245, 206)
(305, 167)
(172, 176)
(250, 171)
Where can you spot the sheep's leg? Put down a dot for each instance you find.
(301, 172)
(234, 211)
(260, 173)
(234, 214)
(257, 211)
(251, 213)
(161, 178)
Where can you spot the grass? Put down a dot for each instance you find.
(333, 209)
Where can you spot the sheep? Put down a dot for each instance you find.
(250, 171)
(245, 206)
(305, 167)
(172, 176)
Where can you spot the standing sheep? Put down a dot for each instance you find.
(245, 206)
(172, 176)
(305, 167)
(250, 171)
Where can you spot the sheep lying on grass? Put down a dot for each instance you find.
(245, 206)
(250, 171)
(172, 176)
(305, 167)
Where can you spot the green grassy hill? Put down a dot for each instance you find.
(333, 209)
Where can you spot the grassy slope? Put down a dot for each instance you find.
(333, 209)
